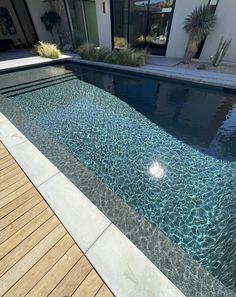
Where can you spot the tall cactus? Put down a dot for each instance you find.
(221, 51)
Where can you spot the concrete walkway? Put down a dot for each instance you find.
(19, 58)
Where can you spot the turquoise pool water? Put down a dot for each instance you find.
(168, 150)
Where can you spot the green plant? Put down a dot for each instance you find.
(120, 42)
(198, 25)
(128, 56)
(47, 50)
(87, 51)
(50, 19)
(221, 51)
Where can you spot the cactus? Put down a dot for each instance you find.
(221, 51)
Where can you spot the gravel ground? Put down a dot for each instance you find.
(230, 69)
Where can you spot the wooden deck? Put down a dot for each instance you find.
(37, 255)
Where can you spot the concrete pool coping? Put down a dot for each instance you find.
(200, 77)
(125, 269)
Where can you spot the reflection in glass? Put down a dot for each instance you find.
(142, 24)
(120, 12)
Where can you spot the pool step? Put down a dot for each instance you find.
(36, 86)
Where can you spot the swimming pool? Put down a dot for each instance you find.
(161, 158)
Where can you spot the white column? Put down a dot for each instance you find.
(104, 23)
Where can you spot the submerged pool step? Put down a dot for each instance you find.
(36, 86)
(17, 86)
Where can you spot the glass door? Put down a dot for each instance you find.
(83, 21)
(91, 20)
(159, 19)
(142, 24)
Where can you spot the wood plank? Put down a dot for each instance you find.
(13, 187)
(90, 286)
(2, 148)
(30, 279)
(3, 154)
(4, 160)
(8, 169)
(56, 274)
(104, 292)
(4, 185)
(29, 260)
(19, 211)
(17, 202)
(25, 246)
(15, 194)
(10, 174)
(37, 255)
(7, 163)
(21, 222)
(24, 232)
(73, 279)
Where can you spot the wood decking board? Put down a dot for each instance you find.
(37, 255)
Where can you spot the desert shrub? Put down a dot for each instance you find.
(87, 51)
(120, 42)
(128, 56)
(47, 50)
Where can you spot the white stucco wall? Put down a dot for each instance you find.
(104, 23)
(178, 37)
(225, 26)
(37, 8)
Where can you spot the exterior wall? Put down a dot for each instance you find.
(225, 26)
(25, 21)
(178, 37)
(37, 9)
(19, 34)
(104, 23)
(63, 28)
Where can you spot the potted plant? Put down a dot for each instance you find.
(51, 19)
(198, 25)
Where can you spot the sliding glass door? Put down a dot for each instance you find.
(142, 24)
(83, 21)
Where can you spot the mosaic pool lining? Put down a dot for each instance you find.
(123, 159)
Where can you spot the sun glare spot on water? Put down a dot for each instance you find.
(157, 170)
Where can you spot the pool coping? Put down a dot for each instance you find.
(124, 268)
(199, 77)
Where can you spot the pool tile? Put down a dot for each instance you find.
(127, 271)
(33, 162)
(78, 214)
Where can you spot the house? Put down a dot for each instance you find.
(155, 24)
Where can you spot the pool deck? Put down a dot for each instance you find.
(38, 257)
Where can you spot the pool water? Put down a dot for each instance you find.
(168, 150)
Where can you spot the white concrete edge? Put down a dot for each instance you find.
(159, 71)
(124, 268)
(165, 72)
(33, 61)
